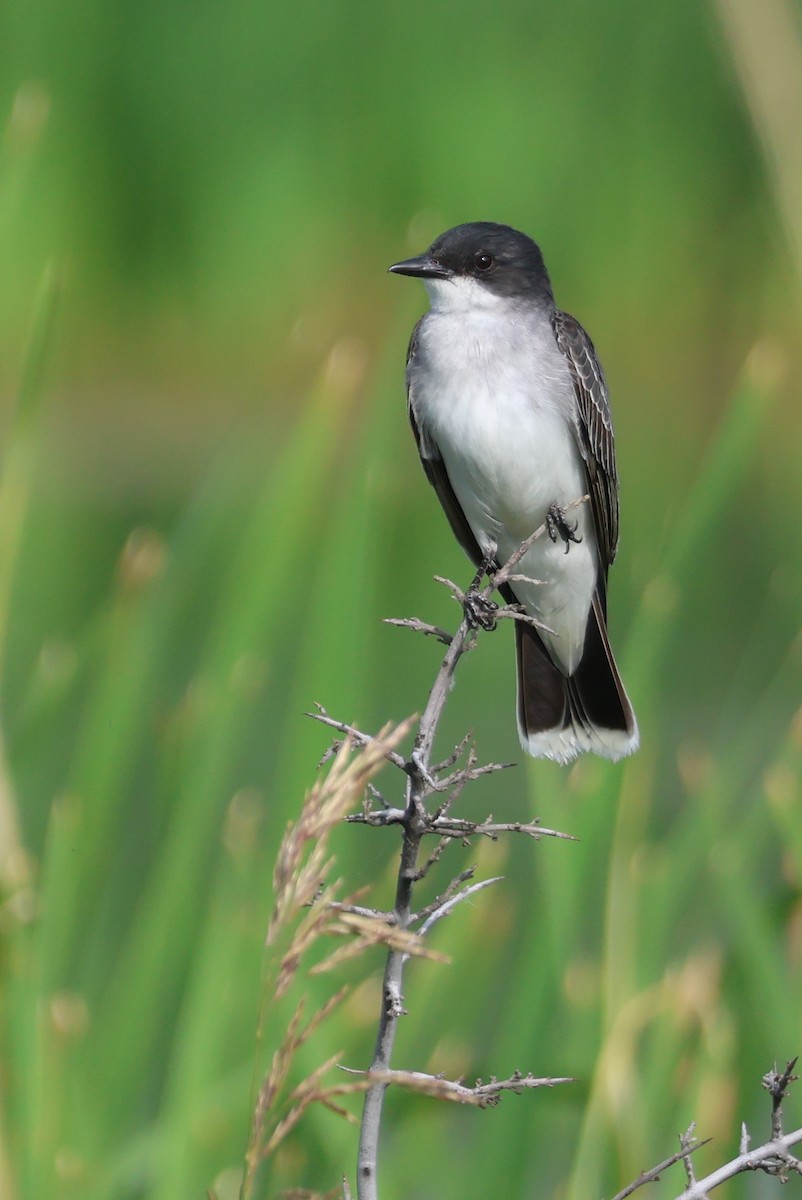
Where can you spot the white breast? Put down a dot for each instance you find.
(494, 394)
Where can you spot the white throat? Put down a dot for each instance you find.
(463, 294)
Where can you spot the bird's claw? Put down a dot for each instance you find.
(558, 526)
(480, 612)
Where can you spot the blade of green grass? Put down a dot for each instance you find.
(330, 630)
(720, 475)
(271, 556)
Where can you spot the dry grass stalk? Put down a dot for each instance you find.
(302, 915)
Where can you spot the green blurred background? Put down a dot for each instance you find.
(210, 497)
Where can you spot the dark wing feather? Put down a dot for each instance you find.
(596, 440)
(435, 468)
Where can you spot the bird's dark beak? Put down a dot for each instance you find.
(423, 267)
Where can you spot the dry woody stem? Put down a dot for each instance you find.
(430, 790)
(773, 1158)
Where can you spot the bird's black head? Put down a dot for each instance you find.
(500, 259)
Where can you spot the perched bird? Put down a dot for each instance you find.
(511, 416)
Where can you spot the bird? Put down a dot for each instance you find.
(511, 415)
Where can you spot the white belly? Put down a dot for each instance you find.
(508, 444)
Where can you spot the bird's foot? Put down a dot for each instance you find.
(558, 526)
(487, 567)
(480, 612)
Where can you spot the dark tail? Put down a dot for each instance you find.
(560, 717)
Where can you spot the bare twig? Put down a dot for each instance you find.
(456, 827)
(452, 758)
(483, 1095)
(420, 627)
(357, 737)
(442, 910)
(513, 613)
(358, 910)
(457, 780)
(745, 1139)
(777, 1084)
(376, 817)
(431, 861)
(687, 1142)
(451, 890)
(652, 1175)
(460, 829)
(773, 1158)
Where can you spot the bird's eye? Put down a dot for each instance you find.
(483, 262)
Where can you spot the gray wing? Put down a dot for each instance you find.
(596, 440)
(434, 466)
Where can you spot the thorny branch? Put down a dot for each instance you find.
(773, 1158)
(777, 1086)
(459, 829)
(481, 1095)
(418, 819)
(688, 1144)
